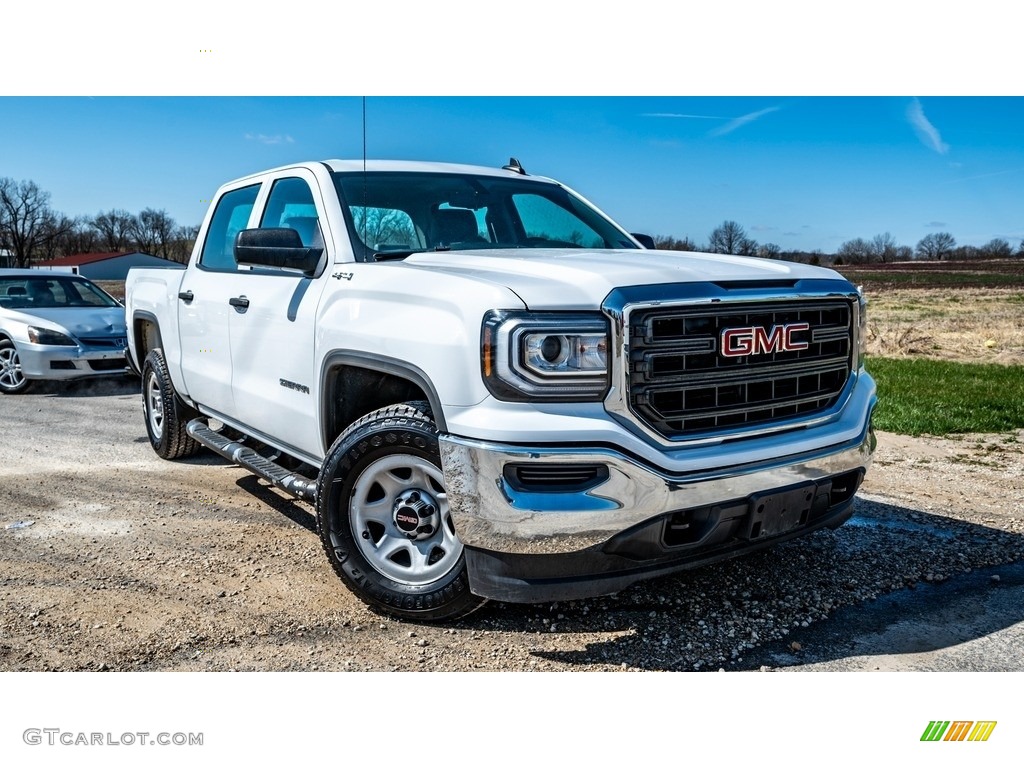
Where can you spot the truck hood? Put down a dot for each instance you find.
(581, 279)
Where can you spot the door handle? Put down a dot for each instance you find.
(186, 296)
(239, 302)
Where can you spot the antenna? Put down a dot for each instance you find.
(364, 174)
(514, 166)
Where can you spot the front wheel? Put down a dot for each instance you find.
(12, 380)
(384, 521)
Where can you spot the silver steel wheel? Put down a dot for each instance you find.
(154, 406)
(11, 377)
(400, 520)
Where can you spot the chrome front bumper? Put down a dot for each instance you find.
(490, 514)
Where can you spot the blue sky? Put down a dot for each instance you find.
(803, 172)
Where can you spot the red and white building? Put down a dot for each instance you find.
(106, 266)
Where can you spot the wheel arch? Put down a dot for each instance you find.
(145, 335)
(353, 384)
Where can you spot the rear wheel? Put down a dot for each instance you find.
(165, 413)
(12, 380)
(384, 521)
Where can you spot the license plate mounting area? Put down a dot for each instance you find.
(776, 512)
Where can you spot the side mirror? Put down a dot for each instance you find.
(281, 248)
(645, 240)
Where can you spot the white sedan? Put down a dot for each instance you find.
(55, 325)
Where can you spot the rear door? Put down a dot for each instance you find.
(205, 308)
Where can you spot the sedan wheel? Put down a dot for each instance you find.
(12, 380)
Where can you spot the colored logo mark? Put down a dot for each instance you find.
(958, 730)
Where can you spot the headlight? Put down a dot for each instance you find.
(50, 338)
(545, 355)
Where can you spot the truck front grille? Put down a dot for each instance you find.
(681, 384)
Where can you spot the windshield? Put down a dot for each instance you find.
(29, 292)
(394, 214)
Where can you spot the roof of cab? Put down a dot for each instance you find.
(398, 166)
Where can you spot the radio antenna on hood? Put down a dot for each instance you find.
(363, 235)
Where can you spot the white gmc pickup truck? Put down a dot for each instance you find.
(489, 389)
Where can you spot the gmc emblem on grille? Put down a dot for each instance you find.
(756, 340)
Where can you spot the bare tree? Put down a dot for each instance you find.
(24, 213)
(769, 251)
(730, 237)
(936, 246)
(667, 243)
(904, 253)
(997, 248)
(883, 248)
(54, 231)
(965, 253)
(152, 231)
(182, 241)
(856, 251)
(116, 228)
(81, 238)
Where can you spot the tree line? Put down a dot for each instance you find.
(32, 231)
(729, 237)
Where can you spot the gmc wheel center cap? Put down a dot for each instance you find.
(415, 514)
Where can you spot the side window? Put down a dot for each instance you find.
(545, 220)
(230, 218)
(291, 206)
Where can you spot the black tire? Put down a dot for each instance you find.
(12, 382)
(384, 472)
(165, 414)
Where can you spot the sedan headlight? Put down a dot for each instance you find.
(545, 355)
(49, 337)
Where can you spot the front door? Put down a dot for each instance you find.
(275, 383)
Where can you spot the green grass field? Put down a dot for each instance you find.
(937, 397)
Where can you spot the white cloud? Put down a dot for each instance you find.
(739, 122)
(264, 139)
(926, 132)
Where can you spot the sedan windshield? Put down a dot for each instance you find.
(392, 214)
(30, 292)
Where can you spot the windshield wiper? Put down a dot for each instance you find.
(392, 255)
(396, 255)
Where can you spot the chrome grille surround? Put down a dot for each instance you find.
(711, 398)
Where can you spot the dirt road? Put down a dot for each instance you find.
(134, 563)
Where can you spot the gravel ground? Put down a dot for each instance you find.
(134, 563)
